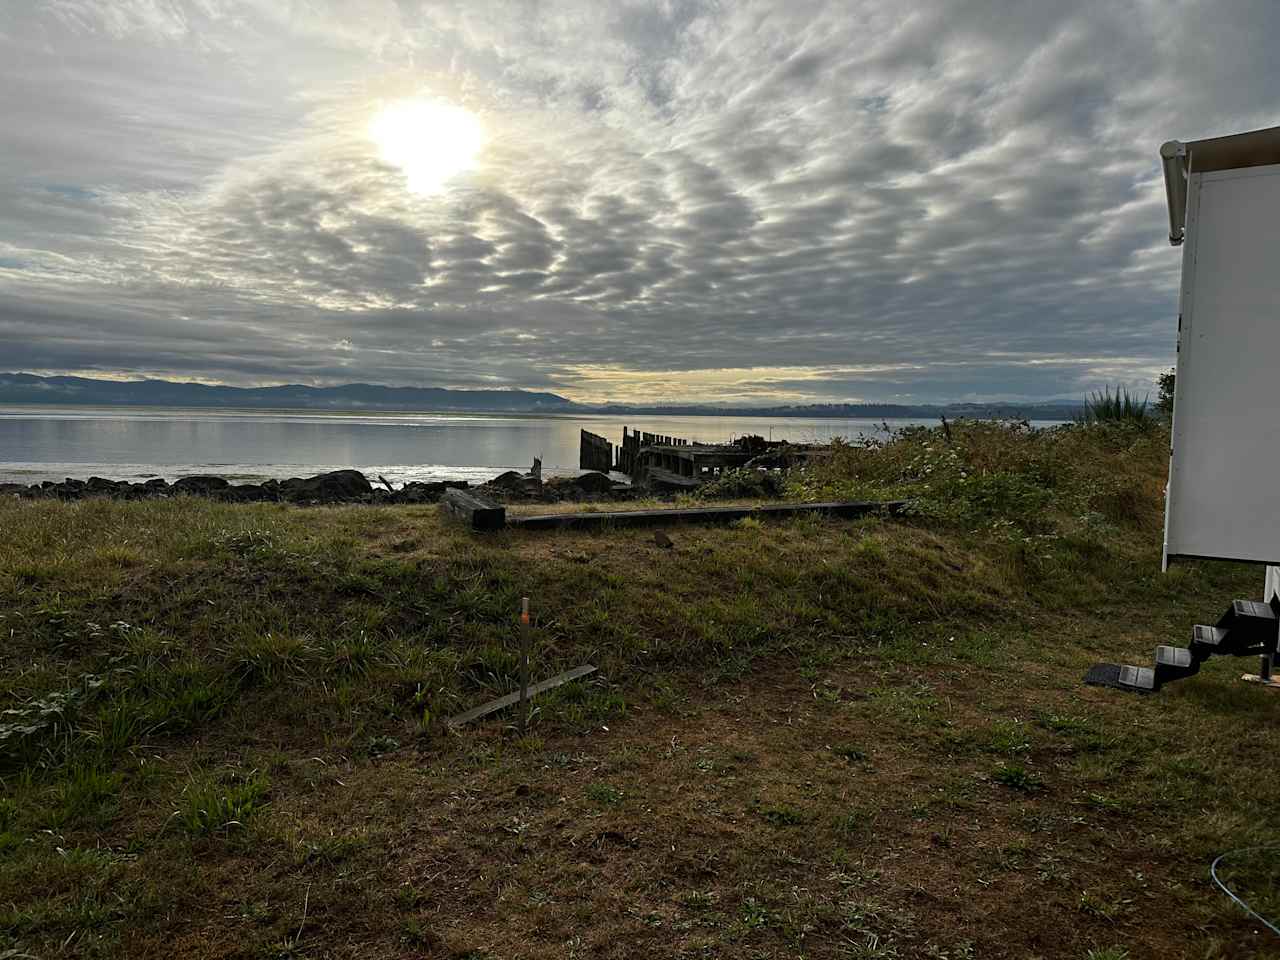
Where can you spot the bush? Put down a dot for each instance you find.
(1166, 383)
(741, 483)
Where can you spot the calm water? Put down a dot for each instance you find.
(50, 443)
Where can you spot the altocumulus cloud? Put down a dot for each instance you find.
(676, 200)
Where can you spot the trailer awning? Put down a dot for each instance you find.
(1253, 149)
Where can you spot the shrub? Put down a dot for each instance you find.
(741, 483)
(1166, 383)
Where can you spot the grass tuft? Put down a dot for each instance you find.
(1017, 777)
(210, 806)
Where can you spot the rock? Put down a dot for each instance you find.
(246, 493)
(69, 490)
(662, 540)
(418, 491)
(340, 486)
(507, 481)
(200, 485)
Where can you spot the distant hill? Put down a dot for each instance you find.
(25, 388)
(30, 389)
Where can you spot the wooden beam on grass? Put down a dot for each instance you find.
(511, 699)
(476, 512)
(638, 518)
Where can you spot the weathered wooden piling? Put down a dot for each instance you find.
(595, 453)
(476, 512)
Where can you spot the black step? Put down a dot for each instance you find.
(1206, 641)
(1246, 629)
(1174, 663)
(1122, 677)
(1250, 623)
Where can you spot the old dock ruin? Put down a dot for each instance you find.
(673, 463)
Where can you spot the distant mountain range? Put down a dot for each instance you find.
(24, 388)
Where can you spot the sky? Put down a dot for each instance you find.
(737, 201)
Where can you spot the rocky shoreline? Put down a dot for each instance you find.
(340, 486)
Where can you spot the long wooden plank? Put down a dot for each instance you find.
(511, 699)
(637, 518)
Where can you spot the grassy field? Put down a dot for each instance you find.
(807, 739)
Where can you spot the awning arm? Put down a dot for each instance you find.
(1173, 157)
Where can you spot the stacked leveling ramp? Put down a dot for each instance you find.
(1248, 628)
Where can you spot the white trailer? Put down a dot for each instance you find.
(1224, 211)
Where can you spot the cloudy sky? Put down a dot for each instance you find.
(667, 200)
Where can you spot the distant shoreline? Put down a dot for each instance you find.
(798, 413)
(31, 390)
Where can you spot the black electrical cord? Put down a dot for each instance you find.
(1213, 872)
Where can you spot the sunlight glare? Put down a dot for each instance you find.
(431, 141)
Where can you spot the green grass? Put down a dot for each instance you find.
(806, 738)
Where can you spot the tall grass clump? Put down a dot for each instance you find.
(208, 806)
(1118, 407)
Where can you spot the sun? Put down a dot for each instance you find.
(431, 141)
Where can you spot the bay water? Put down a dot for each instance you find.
(136, 443)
